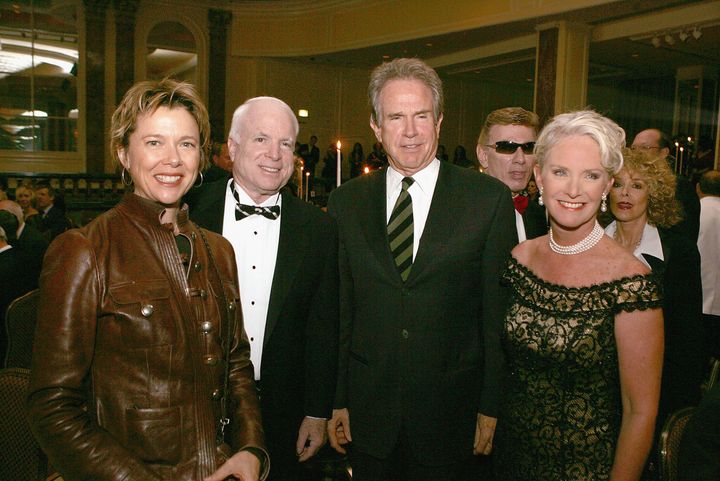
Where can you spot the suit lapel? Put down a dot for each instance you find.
(294, 242)
(373, 219)
(439, 225)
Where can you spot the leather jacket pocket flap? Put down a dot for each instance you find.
(139, 291)
(154, 434)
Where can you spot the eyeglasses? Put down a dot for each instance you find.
(644, 147)
(510, 147)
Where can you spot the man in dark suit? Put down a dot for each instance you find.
(310, 154)
(53, 220)
(422, 247)
(505, 151)
(286, 252)
(29, 242)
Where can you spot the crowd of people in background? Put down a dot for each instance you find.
(536, 313)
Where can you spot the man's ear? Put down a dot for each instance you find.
(376, 129)
(482, 156)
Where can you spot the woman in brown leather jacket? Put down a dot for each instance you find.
(129, 374)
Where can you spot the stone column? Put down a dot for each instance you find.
(125, 12)
(562, 68)
(218, 21)
(95, 84)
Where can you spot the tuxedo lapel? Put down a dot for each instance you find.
(440, 223)
(294, 242)
(210, 207)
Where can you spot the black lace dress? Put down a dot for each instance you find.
(561, 412)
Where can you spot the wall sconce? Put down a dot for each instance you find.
(303, 113)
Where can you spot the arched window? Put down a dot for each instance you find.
(171, 52)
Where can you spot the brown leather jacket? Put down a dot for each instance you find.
(128, 365)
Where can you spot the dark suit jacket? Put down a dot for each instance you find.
(299, 358)
(425, 354)
(534, 220)
(53, 224)
(685, 358)
(699, 454)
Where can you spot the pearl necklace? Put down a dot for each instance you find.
(587, 243)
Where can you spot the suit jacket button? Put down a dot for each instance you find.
(206, 326)
(405, 334)
(216, 394)
(147, 310)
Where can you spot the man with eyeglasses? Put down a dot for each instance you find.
(505, 151)
(653, 142)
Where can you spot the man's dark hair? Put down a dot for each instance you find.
(45, 185)
(710, 182)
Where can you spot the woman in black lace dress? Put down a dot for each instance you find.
(583, 335)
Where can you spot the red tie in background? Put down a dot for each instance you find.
(521, 203)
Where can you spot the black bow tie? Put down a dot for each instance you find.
(244, 210)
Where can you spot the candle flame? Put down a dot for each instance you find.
(367, 169)
(682, 149)
(307, 174)
(338, 145)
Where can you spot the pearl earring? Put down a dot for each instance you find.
(603, 204)
(540, 199)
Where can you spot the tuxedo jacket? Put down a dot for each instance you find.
(685, 356)
(299, 358)
(422, 355)
(534, 220)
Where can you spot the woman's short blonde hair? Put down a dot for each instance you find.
(609, 136)
(145, 98)
(663, 208)
(21, 188)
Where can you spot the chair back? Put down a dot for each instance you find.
(20, 319)
(670, 442)
(20, 457)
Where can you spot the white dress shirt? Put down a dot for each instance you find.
(649, 242)
(421, 192)
(255, 240)
(520, 226)
(709, 247)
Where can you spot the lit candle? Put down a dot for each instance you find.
(677, 146)
(367, 169)
(339, 164)
(300, 190)
(682, 149)
(307, 186)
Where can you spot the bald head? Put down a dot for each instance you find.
(14, 208)
(651, 142)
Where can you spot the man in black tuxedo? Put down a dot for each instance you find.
(286, 252)
(53, 220)
(505, 151)
(422, 247)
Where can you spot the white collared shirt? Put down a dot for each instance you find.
(520, 226)
(709, 247)
(6, 248)
(421, 192)
(649, 243)
(255, 240)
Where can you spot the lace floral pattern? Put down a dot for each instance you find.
(561, 412)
